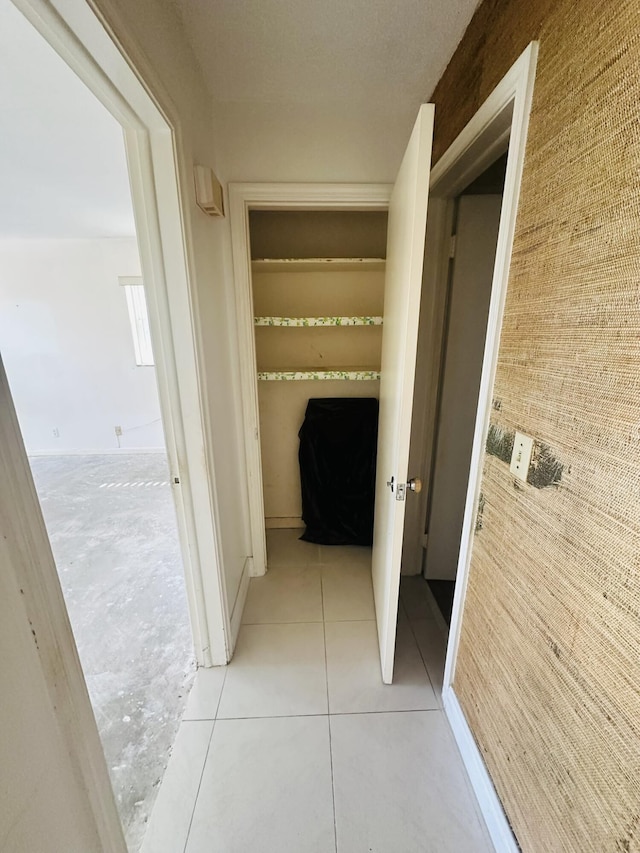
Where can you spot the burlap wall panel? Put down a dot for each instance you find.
(549, 666)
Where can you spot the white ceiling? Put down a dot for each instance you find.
(304, 90)
(346, 51)
(320, 89)
(63, 170)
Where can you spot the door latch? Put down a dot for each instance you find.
(414, 485)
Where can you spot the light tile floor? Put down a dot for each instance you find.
(298, 747)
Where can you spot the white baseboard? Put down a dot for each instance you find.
(238, 605)
(488, 800)
(116, 451)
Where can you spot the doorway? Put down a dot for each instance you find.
(269, 201)
(76, 346)
(318, 289)
(317, 281)
(160, 215)
(501, 122)
(427, 596)
(476, 219)
(407, 208)
(255, 202)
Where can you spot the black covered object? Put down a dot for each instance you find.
(338, 470)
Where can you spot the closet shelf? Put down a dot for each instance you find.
(318, 264)
(308, 322)
(317, 375)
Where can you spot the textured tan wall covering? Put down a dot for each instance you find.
(549, 666)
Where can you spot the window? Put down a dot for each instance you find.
(139, 318)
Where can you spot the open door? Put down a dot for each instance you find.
(403, 282)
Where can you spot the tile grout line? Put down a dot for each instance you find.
(204, 763)
(195, 800)
(424, 663)
(224, 681)
(436, 692)
(315, 714)
(440, 622)
(326, 676)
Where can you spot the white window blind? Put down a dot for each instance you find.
(139, 318)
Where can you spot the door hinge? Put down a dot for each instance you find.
(452, 246)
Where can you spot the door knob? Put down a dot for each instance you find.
(415, 484)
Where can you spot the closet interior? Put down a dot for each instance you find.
(318, 297)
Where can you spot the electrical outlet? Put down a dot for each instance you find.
(521, 456)
(118, 430)
(56, 432)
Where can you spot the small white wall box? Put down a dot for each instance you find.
(209, 196)
(521, 456)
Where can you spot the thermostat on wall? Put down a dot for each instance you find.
(209, 196)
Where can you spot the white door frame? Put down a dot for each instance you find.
(505, 114)
(244, 197)
(158, 177)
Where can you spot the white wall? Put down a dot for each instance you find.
(67, 346)
(153, 28)
(276, 142)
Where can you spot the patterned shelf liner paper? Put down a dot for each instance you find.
(317, 375)
(317, 321)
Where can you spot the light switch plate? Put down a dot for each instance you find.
(521, 456)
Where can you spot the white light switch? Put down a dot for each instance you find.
(521, 456)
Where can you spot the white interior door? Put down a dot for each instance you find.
(403, 282)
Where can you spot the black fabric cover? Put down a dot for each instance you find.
(338, 470)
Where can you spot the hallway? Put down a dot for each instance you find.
(298, 746)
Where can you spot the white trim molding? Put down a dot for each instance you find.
(504, 115)
(241, 597)
(488, 801)
(268, 196)
(512, 99)
(91, 38)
